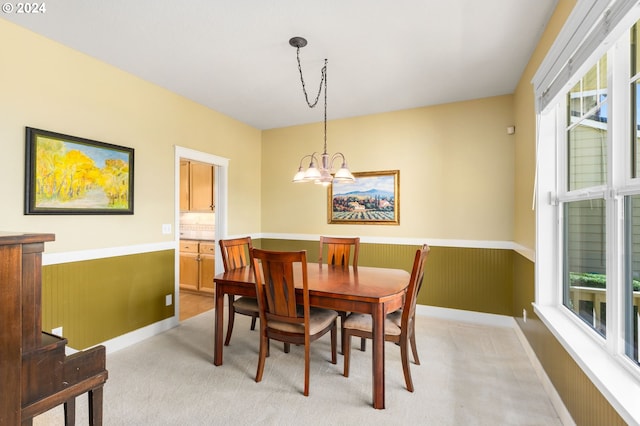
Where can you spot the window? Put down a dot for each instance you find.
(599, 258)
(631, 285)
(584, 225)
(588, 204)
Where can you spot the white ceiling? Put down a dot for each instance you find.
(234, 55)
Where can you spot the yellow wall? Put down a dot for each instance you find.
(49, 86)
(455, 162)
(525, 143)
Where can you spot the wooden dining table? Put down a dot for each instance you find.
(368, 290)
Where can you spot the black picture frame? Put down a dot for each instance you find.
(70, 175)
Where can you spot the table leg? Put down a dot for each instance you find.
(378, 356)
(219, 320)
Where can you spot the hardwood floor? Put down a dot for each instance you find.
(193, 304)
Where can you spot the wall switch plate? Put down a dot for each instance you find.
(524, 315)
(57, 331)
(166, 228)
(168, 300)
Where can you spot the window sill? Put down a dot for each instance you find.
(608, 373)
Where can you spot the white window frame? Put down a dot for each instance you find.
(602, 359)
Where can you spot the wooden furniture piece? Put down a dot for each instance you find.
(339, 253)
(197, 266)
(235, 254)
(35, 374)
(399, 326)
(374, 291)
(339, 250)
(197, 186)
(281, 318)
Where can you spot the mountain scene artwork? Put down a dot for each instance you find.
(372, 198)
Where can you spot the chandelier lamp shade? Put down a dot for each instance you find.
(320, 165)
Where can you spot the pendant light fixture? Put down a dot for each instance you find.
(319, 171)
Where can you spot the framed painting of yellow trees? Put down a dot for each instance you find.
(71, 175)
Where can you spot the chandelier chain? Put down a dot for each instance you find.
(323, 79)
(323, 73)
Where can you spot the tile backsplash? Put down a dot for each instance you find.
(197, 226)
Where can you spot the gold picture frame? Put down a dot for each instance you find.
(373, 199)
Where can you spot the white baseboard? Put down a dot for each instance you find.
(136, 336)
(466, 316)
(561, 410)
(503, 321)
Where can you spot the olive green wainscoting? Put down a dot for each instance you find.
(97, 300)
(473, 279)
(583, 400)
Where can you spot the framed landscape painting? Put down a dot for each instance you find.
(372, 199)
(71, 175)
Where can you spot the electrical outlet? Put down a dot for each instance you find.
(166, 228)
(57, 331)
(524, 315)
(168, 300)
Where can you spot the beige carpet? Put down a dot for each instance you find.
(469, 375)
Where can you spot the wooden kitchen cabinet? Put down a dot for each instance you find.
(197, 186)
(207, 267)
(184, 185)
(189, 265)
(197, 266)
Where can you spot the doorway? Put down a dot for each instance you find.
(199, 226)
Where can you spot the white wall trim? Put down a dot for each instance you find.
(486, 244)
(482, 318)
(556, 401)
(136, 336)
(78, 256)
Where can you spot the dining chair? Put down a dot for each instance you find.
(339, 253)
(339, 250)
(235, 254)
(281, 317)
(399, 326)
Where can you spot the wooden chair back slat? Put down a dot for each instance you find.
(278, 284)
(235, 252)
(339, 250)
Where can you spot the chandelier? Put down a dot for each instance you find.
(319, 171)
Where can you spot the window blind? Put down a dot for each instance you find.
(589, 25)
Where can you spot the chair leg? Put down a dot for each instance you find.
(70, 412)
(287, 347)
(95, 406)
(334, 343)
(261, 357)
(414, 347)
(347, 353)
(343, 317)
(307, 363)
(363, 344)
(404, 354)
(253, 322)
(232, 314)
